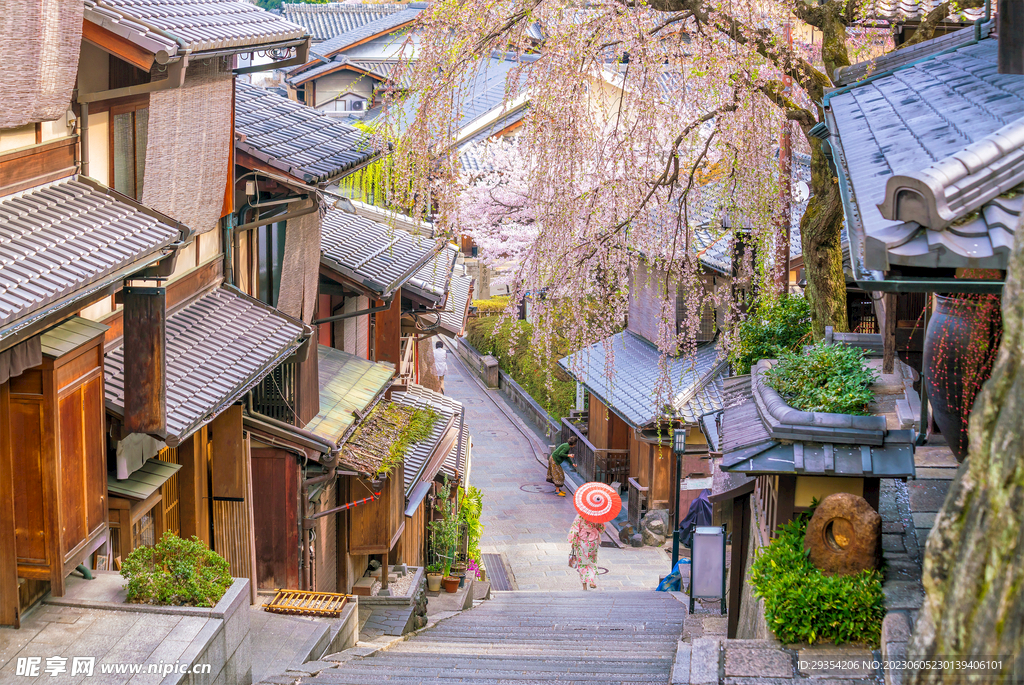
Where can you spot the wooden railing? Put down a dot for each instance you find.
(592, 463)
(407, 367)
(637, 503)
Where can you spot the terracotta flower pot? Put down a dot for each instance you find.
(434, 582)
(959, 349)
(451, 584)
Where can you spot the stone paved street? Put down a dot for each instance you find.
(530, 528)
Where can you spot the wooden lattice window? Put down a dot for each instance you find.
(144, 530)
(169, 493)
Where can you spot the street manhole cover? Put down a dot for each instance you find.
(472, 400)
(601, 570)
(538, 488)
(495, 433)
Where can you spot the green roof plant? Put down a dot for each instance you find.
(802, 604)
(824, 378)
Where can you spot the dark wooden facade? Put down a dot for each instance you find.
(375, 527)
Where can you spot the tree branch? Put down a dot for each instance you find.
(926, 30)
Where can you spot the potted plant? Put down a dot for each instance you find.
(451, 584)
(434, 576)
(444, 531)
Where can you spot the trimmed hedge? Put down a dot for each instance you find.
(177, 572)
(802, 604)
(511, 344)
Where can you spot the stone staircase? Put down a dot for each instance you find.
(534, 637)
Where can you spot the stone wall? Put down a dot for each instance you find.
(529, 406)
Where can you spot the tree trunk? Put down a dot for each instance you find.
(974, 561)
(821, 231)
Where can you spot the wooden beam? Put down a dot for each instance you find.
(10, 611)
(193, 499)
(227, 468)
(387, 332)
(145, 374)
(1011, 36)
(116, 45)
(889, 334)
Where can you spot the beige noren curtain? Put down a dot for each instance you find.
(39, 46)
(189, 147)
(300, 272)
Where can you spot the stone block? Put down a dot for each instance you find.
(924, 519)
(895, 627)
(652, 539)
(636, 540)
(681, 665)
(894, 651)
(704, 657)
(843, 535)
(363, 587)
(764, 663)
(903, 594)
(716, 625)
(858, 663)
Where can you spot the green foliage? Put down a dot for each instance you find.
(511, 343)
(471, 506)
(802, 604)
(774, 326)
(444, 531)
(176, 572)
(825, 378)
(435, 568)
(494, 305)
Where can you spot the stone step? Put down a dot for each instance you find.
(454, 671)
(537, 663)
(344, 678)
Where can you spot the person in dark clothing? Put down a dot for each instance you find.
(555, 473)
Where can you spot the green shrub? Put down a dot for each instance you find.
(511, 343)
(176, 572)
(825, 378)
(774, 327)
(802, 604)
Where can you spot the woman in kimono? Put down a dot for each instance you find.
(585, 539)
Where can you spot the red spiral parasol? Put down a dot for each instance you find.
(597, 502)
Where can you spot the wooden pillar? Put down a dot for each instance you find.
(10, 612)
(740, 527)
(1011, 36)
(229, 487)
(889, 335)
(193, 487)
(786, 500)
(387, 332)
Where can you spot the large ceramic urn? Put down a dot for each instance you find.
(959, 349)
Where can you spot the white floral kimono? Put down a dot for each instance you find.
(585, 538)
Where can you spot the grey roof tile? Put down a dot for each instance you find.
(200, 24)
(453, 319)
(377, 256)
(913, 10)
(219, 346)
(382, 25)
(326, 20)
(58, 239)
(635, 388)
(431, 282)
(902, 123)
(449, 411)
(297, 139)
(898, 58)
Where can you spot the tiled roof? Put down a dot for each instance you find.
(347, 384)
(431, 282)
(498, 125)
(918, 122)
(58, 239)
(453, 319)
(912, 10)
(897, 58)
(372, 254)
(380, 26)
(748, 446)
(218, 347)
(295, 138)
(323, 21)
(449, 418)
(201, 24)
(632, 391)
